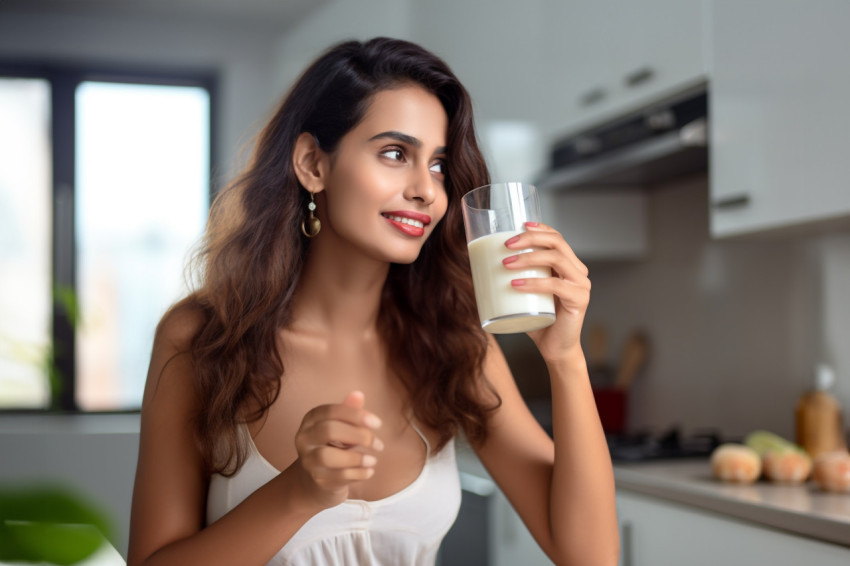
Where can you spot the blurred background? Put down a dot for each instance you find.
(691, 151)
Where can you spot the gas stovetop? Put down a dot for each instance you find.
(641, 446)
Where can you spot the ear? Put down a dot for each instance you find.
(310, 163)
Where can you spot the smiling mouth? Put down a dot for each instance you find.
(404, 220)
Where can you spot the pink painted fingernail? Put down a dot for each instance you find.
(369, 460)
(517, 282)
(512, 241)
(510, 259)
(533, 224)
(377, 444)
(372, 421)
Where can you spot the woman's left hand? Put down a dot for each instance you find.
(569, 284)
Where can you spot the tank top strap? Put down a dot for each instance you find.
(421, 435)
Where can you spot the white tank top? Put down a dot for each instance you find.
(404, 528)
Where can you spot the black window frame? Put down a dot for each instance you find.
(64, 78)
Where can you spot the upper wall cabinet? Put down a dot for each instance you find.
(610, 56)
(780, 116)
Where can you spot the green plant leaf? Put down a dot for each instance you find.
(67, 298)
(49, 524)
(49, 542)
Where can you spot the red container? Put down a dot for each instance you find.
(611, 405)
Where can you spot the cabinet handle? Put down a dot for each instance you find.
(732, 201)
(639, 76)
(592, 97)
(626, 544)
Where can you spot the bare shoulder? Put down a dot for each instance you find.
(179, 326)
(170, 364)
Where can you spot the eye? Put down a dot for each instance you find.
(394, 153)
(438, 167)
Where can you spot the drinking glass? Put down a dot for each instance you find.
(492, 214)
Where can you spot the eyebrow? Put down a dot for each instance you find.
(404, 138)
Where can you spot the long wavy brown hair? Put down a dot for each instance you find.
(253, 252)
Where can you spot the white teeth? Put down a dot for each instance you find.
(409, 221)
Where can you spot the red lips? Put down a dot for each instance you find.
(423, 218)
(408, 222)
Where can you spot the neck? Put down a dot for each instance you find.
(339, 292)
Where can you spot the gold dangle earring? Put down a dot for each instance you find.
(311, 225)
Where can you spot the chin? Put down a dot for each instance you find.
(404, 258)
(404, 255)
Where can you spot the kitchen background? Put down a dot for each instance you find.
(739, 305)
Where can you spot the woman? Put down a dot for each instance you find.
(301, 405)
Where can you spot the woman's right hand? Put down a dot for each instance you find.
(337, 446)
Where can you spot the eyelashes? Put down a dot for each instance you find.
(397, 153)
(394, 153)
(441, 165)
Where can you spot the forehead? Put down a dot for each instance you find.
(410, 110)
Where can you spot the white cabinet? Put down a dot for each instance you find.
(780, 116)
(609, 56)
(656, 532)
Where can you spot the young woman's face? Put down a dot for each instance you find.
(385, 191)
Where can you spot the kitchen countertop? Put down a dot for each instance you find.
(803, 510)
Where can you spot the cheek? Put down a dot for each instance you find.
(369, 183)
(352, 188)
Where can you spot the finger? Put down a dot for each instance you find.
(563, 246)
(355, 399)
(553, 259)
(542, 236)
(332, 479)
(341, 412)
(377, 445)
(336, 458)
(573, 296)
(344, 435)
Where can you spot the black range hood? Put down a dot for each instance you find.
(665, 140)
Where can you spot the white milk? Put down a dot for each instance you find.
(502, 308)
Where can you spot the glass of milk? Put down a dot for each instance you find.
(492, 214)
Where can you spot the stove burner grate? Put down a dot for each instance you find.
(644, 446)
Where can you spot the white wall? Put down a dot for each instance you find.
(494, 47)
(335, 22)
(833, 253)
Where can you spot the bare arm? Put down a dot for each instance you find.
(169, 498)
(563, 490)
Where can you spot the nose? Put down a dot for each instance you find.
(421, 185)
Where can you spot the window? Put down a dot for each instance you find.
(24, 241)
(104, 190)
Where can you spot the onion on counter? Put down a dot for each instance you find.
(735, 463)
(787, 466)
(832, 471)
(782, 460)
